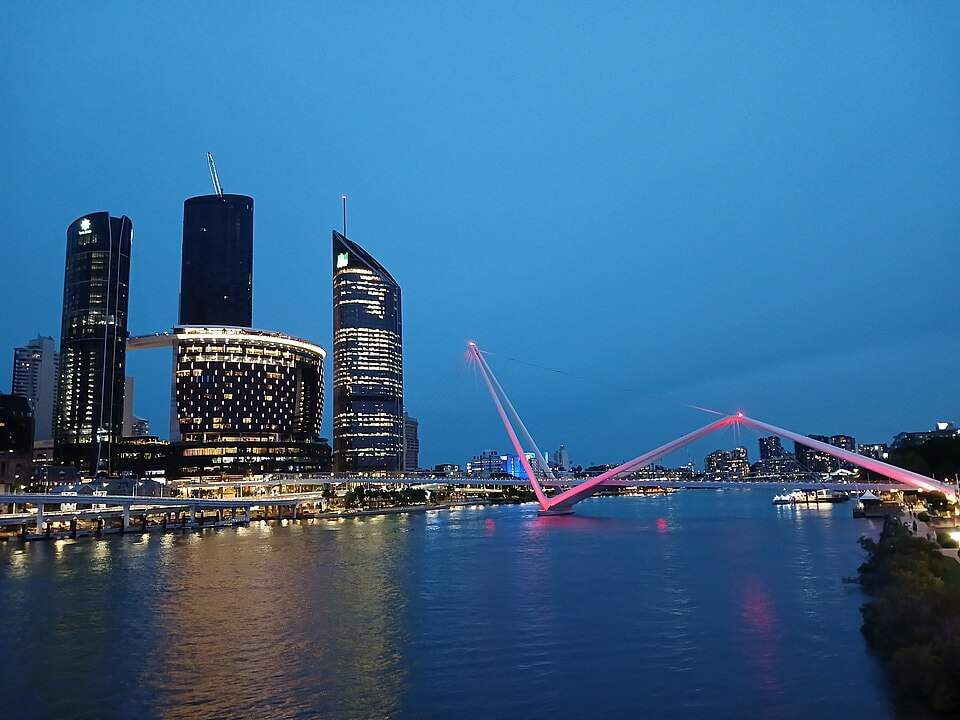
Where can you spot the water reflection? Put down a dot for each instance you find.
(695, 605)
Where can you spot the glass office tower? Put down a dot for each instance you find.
(367, 363)
(93, 339)
(216, 276)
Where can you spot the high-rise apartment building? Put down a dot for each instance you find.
(93, 342)
(35, 378)
(561, 458)
(729, 464)
(367, 363)
(817, 461)
(216, 276)
(770, 447)
(411, 443)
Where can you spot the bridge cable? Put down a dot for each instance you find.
(603, 382)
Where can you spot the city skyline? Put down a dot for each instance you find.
(802, 270)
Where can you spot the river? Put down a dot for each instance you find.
(699, 604)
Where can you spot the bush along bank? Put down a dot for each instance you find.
(912, 619)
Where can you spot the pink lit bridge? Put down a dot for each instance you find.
(563, 502)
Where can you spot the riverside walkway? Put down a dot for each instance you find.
(183, 510)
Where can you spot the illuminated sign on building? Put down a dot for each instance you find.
(343, 259)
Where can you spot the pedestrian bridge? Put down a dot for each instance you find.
(563, 502)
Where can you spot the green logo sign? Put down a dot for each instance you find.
(342, 260)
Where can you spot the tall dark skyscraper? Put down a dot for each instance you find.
(93, 339)
(367, 363)
(216, 277)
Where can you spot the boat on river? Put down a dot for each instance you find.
(810, 497)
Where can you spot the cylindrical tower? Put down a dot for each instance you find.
(93, 342)
(216, 276)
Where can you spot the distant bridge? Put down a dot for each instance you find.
(562, 503)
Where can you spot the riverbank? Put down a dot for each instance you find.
(912, 620)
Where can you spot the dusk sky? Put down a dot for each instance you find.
(734, 205)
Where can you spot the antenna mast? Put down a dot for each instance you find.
(213, 175)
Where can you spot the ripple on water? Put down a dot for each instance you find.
(696, 605)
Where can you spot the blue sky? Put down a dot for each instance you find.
(735, 205)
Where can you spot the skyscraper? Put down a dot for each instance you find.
(411, 443)
(216, 276)
(93, 341)
(367, 363)
(35, 378)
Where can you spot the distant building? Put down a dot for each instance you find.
(844, 442)
(93, 342)
(512, 465)
(770, 447)
(816, 461)
(561, 458)
(128, 416)
(727, 464)
(216, 275)
(35, 378)
(141, 427)
(42, 454)
(877, 451)
(778, 467)
(910, 439)
(486, 464)
(411, 443)
(367, 363)
(446, 469)
(16, 442)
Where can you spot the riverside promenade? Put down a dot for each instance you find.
(924, 530)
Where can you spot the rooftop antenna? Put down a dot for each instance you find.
(213, 175)
(344, 198)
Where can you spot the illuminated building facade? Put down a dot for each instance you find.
(729, 464)
(877, 451)
(93, 342)
(216, 276)
(818, 461)
(234, 383)
(247, 402)
(486, 464)
(367, 363)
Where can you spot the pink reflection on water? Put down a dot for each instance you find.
(661, 525)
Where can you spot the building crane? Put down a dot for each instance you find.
(213, 175)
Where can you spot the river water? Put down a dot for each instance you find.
(700, 604)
